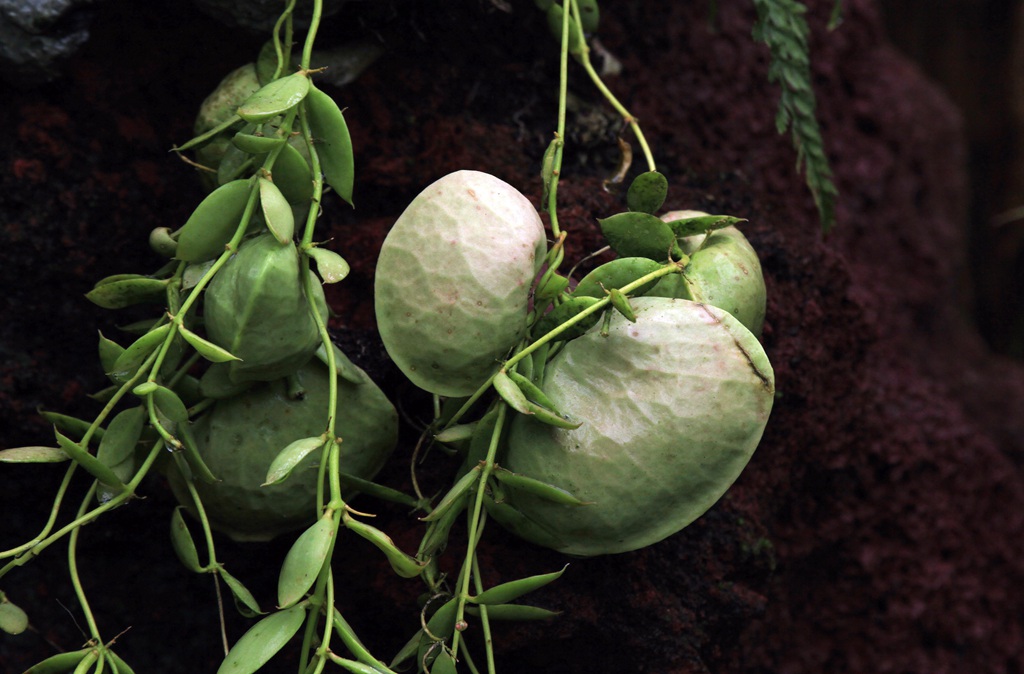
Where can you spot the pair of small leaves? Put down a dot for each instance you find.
(125, 290)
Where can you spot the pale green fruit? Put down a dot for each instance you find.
(724, 272)
(672, 407)
(453, 281)
(240, 437)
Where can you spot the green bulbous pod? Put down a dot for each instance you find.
(255, 308)
(240, 437)
(673, 406)
(453, 281)
(724, 271)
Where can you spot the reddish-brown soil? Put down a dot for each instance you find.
(876, 530)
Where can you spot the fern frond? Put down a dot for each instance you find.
(781, 25)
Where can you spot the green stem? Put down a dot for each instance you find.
(584, 58)
(314, 25)
(48, 527)
(563, 89)
(129, 491)
(488, 640)
(76, 581)
(671, 268)
(186, 473)
(476, 524)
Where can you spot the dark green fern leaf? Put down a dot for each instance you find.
(781, 25)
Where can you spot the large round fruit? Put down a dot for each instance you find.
(672, 407)
(453, 281)
(724, 271)
(240, 437)
(255, 307)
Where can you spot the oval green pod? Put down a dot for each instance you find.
(213, 223)
(240, 437)
(617, 274)
(304, 560)
(274, 98)
(126, 292)
(674, 404)
(263, 641)
(453, 281)
(256, 309)
(332, 141)
(277, 212)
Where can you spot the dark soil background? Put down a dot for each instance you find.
(878, 527)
